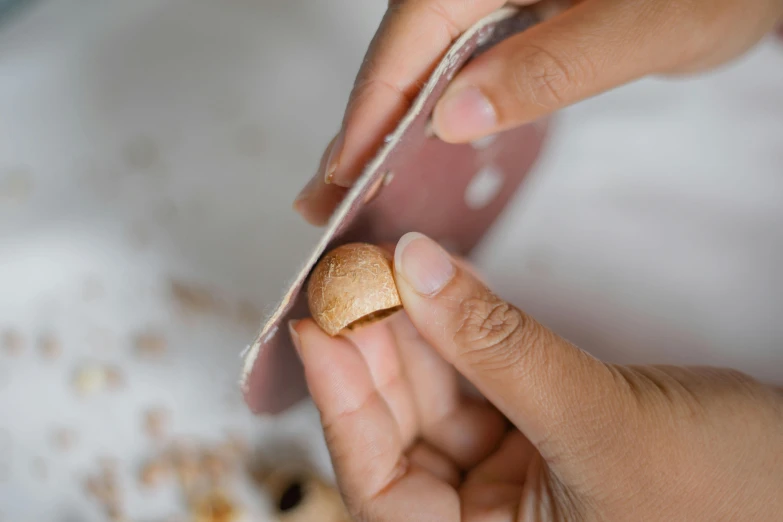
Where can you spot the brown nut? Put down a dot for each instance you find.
(351, 286)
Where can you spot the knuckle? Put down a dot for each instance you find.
(546, 79)
(541, 78)
(493, 335)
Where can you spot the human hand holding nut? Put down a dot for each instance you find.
(558, 435)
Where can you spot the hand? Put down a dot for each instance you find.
(560, 436)
(587, 47)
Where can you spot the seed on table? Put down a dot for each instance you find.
(154, 472)
(49, 346)
(150, 344)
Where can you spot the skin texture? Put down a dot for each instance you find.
(583, 48)
(555, 434)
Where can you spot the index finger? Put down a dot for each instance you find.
(410, 40)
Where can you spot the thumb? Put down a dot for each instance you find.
(555, 393)
(589, 48)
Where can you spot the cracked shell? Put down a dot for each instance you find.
(351, 286)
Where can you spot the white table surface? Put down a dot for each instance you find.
(147, 141)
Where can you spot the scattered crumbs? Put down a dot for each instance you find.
(104, 488)
(64, 439)
(200, 471)
(250, 140)
(13, 343)
(235, 446)
(95, 377)
(141, 153)
(39, 469)
(150, 344)
(214, 506)
(155, 423)
(214, 466)
(154, 472)
(16, 186)
(193, 299)
(49, 347)
(185, 460)
(204, 467)
(89, 379)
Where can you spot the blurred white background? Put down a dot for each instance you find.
(160, 142)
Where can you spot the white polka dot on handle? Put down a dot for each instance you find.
(484, 187)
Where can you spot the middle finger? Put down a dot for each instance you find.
(464, 429)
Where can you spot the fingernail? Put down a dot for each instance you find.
(465, 112)
(295, 336)
(423, 263)
(333, 162)
(321, 177)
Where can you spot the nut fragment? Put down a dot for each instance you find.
(150, 344)
(104, 487)
(155, 423)
(154, 472)
(352, 285)
(89, 379)
(115, 378)
(214, 506)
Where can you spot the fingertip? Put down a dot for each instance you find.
(336, 373)
(360, 430)
(317, 206)
(302, 208)
(422, 265)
